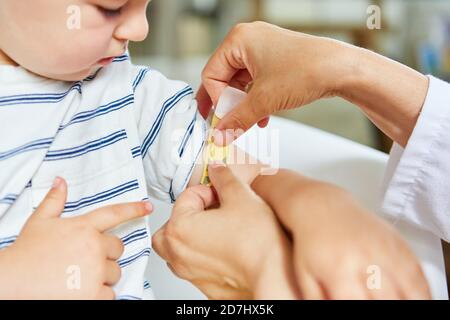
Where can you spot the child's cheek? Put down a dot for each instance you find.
(83, 48)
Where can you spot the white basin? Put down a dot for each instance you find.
(315, 153)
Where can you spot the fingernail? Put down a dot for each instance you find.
(148, 206)
(231, 135)
(218, 138)
(57, 183)
(223, 138)
(217, 164)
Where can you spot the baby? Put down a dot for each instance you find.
(72, 105)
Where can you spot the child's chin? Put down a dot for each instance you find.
(74, 77)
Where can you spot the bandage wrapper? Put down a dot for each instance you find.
(229, 99)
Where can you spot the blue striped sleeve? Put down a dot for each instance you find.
(171, 130)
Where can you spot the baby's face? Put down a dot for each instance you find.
(69, 39)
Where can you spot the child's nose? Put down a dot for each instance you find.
(133, 28)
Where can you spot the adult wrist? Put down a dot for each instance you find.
(349, 65)
(389, 93)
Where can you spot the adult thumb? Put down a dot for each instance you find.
(228, 187)
(53, 204)
(249, 112)
(194, 200)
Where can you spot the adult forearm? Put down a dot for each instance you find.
(282, 192)
(389, 93)
(294, 197)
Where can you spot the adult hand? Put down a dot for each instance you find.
(237, 251)
(289, 69)
(341, 251)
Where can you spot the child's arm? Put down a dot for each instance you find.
(339, 247)
(243, 166)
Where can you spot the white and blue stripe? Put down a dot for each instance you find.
(119, 109)
(121, 58)
(31, 146)
(128, 298)
(86, 148)
(127, 261)
(136, 152)
(167, 106)
(187, 136)
(9, 199)
(101, 197)
(140, 77)
(135, 236)
(6, 242)
(38, 98)
(100, 111)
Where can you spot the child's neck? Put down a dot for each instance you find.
(4, 59)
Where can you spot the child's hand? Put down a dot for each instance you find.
(74, 258)
(340, 250)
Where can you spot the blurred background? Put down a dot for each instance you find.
(184, 33)
(415, 32)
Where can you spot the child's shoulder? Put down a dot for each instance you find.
(147, 87)
(137, 78)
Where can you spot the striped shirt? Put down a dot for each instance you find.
(125, 134)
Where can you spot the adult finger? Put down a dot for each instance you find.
(241, 80)
(264, 123)
(226, 184)
(309, 286)
(219, 71)
(346, 288)
(204, 102)
(193, 200)
(159, 244)
(388, 289)
(249, 112)
(413, 286)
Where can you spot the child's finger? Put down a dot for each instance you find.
(114, 247)
(54, 202)
(113, 272)
(106, 293)
(108, 218)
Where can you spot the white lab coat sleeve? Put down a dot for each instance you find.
(417, 182)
